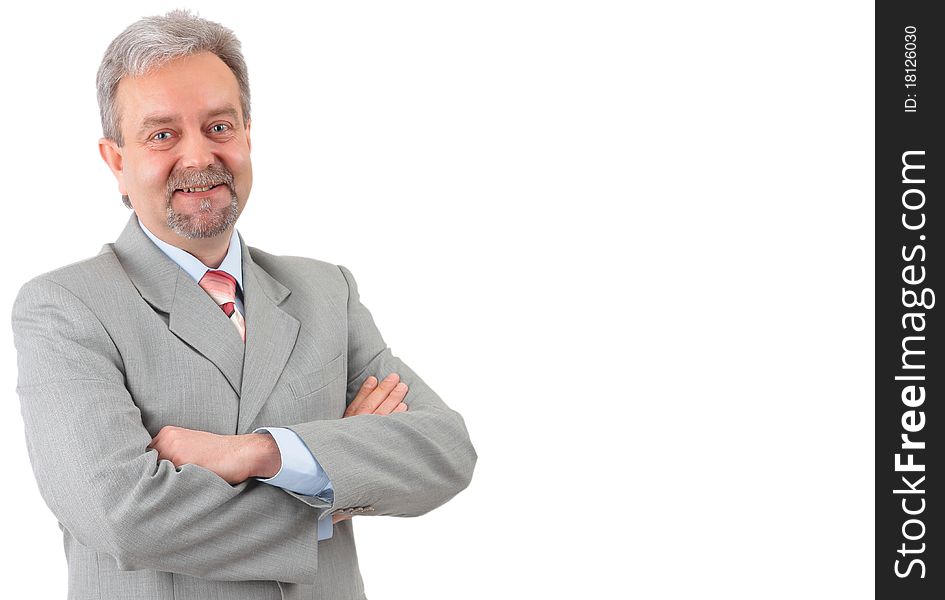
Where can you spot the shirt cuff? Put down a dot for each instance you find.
(325, 529)
(300, 471)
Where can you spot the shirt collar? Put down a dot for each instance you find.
(232, 262)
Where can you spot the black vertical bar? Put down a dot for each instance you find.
(910, 380)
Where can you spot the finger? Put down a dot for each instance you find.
(402, 407)
(366, 388)
(374, 399)
(374, 395)
(395, 397)
(154, 440)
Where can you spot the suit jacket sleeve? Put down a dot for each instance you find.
(403, 464)
(87, 446)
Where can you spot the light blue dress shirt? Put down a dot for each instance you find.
(300, 470)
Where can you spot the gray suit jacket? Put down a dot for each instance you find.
(113, 348)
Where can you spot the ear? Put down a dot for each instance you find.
(248, 143)
(111, 154)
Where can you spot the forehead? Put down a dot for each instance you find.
(183, 88)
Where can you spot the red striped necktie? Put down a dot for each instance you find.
(222, 288)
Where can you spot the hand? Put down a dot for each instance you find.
(225, 455)
(382, 399)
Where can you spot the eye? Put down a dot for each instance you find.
(220, 128)
(161, 136)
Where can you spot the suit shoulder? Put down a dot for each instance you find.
(293, 268)
(82, 278)
(266, 259)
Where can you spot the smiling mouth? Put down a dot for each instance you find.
(197, 190)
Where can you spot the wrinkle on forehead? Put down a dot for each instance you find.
(195, 84)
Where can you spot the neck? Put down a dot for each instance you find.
(210, 251)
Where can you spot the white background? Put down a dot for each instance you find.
(632, 243)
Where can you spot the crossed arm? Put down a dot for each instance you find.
(236, 458)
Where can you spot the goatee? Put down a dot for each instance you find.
(207, 222)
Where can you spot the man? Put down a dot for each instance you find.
(204, 418)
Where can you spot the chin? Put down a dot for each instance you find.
(204, 224)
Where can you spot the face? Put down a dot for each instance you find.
(185, 161)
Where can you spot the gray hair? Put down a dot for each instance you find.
(153, 41)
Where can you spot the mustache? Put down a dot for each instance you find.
(189, 178)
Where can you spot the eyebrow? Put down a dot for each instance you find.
(156, 119)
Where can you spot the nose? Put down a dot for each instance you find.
(196, 152)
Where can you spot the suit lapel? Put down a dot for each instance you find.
(193, 316)
(196, 319)
(271, 334)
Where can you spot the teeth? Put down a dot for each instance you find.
(192, 190)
